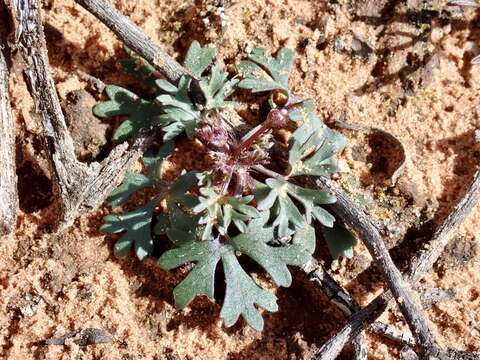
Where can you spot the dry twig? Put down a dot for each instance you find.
(357, 220)
(420, 265)
(135, 39)
(81, 188)
(342, 299)
(8, 186)
(338, 296)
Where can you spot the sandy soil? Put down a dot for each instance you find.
(398, 66)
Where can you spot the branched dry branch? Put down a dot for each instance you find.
(135, 39)
(8, 186)
(420, 265)
(357, 220)
(342, 299)
(81, 188)
(338, 296)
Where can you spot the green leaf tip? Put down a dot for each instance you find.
(198, 58)
(339, 240)
(265, 73)
(139, 112)
(136, 226)
(278, 195)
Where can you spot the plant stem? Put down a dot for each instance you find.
(251, 137)
(275, 119)
(262, 169)
(226, 183)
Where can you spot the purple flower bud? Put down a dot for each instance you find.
(277, 118)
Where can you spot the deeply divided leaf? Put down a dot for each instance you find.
(217, 88)
(179, 114)
(139, 112)
(313, 147)
(242, 293)
(281, 196)
(198, 58)
(136, 228)
(133, 182)
(220, 211)
(273, 259)
(200, 280)
(265, 73)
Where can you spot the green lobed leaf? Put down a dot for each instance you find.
(179, 188)
(180, 224)
(305, 238)
(139, 112)
(242, 294)
(220, 211)
(317, 156)
(153, 161)
(133, 182)
(313, 146)
(179, 114)
(273, 259)
(200, 280)
(217, 88)
(138, 67)
(161, 225)
(339, 240)
(304, 115)
(265, 73)
(198, 58)
(136, 226)
(278, 194)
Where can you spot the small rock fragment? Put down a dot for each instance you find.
(28, 305)
(477, 135)
(92, 336)
(61, 340)
(430, 297)
(89, 336)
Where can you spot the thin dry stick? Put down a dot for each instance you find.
(420, 265)
(451, 354)
(343, 300)
(135, 39)
(357, 220)
(8, 186)
(393, 334)
(339, 297)
(81, 188)
(140, 43)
